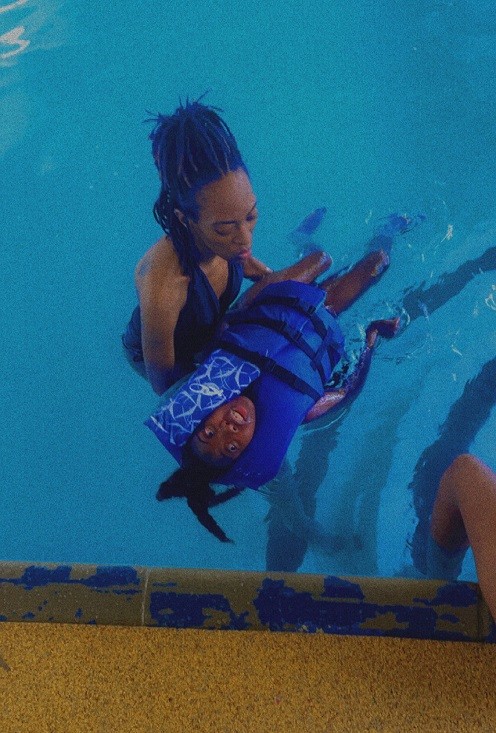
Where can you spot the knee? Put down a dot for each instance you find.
(464, 459)
(319, 259)
(462, 470)
(465, 463)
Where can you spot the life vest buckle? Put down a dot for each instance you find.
(270, 365)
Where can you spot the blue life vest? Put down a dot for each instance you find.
(285, 345)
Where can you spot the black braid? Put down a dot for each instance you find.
(191, 148)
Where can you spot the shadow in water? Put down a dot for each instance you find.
(466, 417)
(421, 301)
(292, 525)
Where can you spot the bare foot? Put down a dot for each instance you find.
(387, 328)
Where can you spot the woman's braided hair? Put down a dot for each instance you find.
(191, 148)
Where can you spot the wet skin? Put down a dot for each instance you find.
(222, 231)
(226, 432)
(226, 219)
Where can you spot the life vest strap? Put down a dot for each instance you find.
(284, 329)
(328, 344)
(270, 366)
(296, 338)
(296, 304)
(293, 335)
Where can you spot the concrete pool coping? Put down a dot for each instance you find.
(239, 600)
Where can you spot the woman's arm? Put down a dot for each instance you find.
(162, 291)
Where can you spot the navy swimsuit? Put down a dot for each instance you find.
(198, 320)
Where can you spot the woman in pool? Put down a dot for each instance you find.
(189, 278)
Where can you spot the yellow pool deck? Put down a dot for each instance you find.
(69, 677)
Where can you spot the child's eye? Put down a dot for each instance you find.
(209, 433)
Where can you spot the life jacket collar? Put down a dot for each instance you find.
(219, 379)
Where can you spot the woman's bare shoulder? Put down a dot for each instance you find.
(159, 263)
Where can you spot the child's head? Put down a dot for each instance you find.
(225, 433)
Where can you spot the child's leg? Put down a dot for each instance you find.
(344, 290)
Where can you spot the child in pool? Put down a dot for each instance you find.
(211, 435)
(192, 481)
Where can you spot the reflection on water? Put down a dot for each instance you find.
(13, 38)
(11, 6)
(24, 27)
(39, 29)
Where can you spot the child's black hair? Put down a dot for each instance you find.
(192, 482)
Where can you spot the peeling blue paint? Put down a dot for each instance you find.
(36, 576)
(452, 594)
(491, 636)
(331, 605)
(281, 608)
(108, 576)
(184, 610)
(449, 617)
(420, 622)
(335, 587)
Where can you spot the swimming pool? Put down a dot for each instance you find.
(363, 110)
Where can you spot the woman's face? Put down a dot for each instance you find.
(227, 217)
(226, 432)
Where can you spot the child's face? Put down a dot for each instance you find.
(226, 432)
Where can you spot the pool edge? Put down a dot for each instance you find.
(240, 600)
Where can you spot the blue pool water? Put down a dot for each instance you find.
(365, 108)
